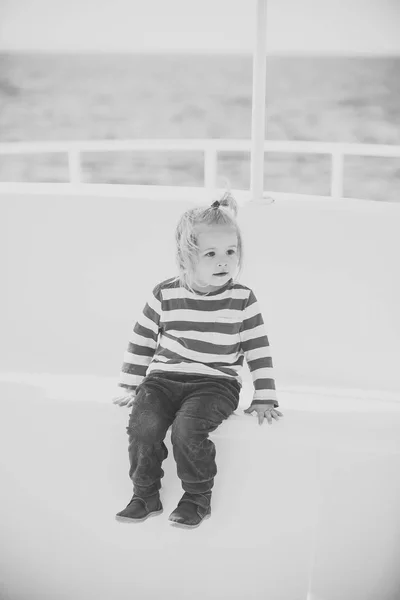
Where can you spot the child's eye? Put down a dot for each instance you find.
(231, 251)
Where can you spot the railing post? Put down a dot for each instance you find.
(74, 164)
(337, 175)
(210, 168)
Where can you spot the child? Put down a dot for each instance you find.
(182, 366)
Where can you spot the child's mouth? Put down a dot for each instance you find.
(220, 274)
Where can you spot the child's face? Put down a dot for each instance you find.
(217, 253)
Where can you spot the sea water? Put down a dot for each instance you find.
(79, 97)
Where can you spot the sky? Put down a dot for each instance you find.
(294, 26)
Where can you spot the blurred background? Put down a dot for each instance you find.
(125, 69)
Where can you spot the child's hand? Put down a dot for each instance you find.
(264, 410)
(125, 399)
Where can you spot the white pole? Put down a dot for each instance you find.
(337, 175)
(258, 108)
(210, 168)
(74, 164)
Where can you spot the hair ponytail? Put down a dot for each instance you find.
(229, 202)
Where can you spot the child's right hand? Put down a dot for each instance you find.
(125, 399)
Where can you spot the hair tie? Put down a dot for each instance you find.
(215, 204)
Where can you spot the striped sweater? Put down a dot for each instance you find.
(201, 334)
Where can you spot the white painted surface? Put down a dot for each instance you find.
(307, 506)
(79, 268)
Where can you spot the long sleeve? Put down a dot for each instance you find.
(142, 343)
(257, 352)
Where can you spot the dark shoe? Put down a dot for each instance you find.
(192, 509)
(139, 509)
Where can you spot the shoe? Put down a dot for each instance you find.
(139, 509)
(192, 509)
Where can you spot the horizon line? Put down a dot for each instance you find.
(198, 52)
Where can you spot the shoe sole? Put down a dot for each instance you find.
(154, 513)
(185, 526)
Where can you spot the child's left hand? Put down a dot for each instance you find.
(264, 411)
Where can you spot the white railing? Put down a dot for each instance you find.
(210, 149)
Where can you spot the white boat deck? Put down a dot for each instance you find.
(304, 509)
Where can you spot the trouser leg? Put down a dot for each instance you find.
(150, 418)
(202, 411)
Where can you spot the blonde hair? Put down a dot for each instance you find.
(221, 212)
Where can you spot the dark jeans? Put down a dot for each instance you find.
(194, 406)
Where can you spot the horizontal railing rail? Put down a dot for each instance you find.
(210, 148)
